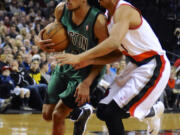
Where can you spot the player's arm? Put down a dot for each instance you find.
(103, 60)
(46, 44)
(59, 11)
(114, 56)
(101, 33)
(124, 18)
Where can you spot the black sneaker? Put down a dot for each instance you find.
(80, 124)
(75, 114)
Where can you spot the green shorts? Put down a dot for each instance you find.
(63, 83)
(62, 86)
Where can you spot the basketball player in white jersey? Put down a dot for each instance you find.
(142, 82)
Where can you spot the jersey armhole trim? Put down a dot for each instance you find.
(138, 26)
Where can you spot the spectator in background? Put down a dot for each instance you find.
(13, 33)
(24, 32)
(27, 61)
(35, 73)
(176, 90)
(110, 75)
(9, 58)
(34, 50)
(20, 21)
(36, 57)
(7, 22)
(169, 96)
(39, 81)
(178, 76)
(6, 82)
(3, 31)
(7, 50)
(19, 58)
(51, 64)
(15, 51)
(122, 65)
(19, 39)
(43, 57)
(177, 63)
(14, 7)
(24, 80)
(21, 80)
(43, 70)
(114, 67)
(27, 45)
(2, 61)
(23, 50)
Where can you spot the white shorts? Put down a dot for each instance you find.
(18, 90)
(136, 89)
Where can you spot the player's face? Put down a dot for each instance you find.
(73, 4)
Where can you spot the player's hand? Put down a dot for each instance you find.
(83, 64)
(74, 60)
(67, 58)
(82, 93)
(45, 45)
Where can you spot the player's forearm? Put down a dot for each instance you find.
(104, 48)
(109, 58)
(96, 69)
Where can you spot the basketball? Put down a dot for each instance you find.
(58, 34)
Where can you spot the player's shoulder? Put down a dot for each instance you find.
(100, 27)
(60, 6)
(125, 10)
(59, 10)
(101, 20)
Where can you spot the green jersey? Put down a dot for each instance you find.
(65, 79)
(81, 36)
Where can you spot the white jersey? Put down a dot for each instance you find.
(140, 40)
(144, 79)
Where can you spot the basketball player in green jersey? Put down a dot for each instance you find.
(86, 27)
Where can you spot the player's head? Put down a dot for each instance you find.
(75, 4)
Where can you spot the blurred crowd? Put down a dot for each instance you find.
(25, 70)
(171, 96)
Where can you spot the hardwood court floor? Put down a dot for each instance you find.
(32, 124)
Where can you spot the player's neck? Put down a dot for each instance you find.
(80, 13)
(112, 6)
